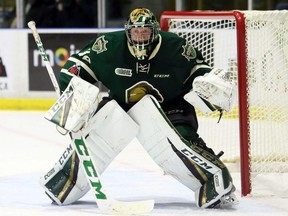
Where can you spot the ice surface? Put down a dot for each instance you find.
(30, 145)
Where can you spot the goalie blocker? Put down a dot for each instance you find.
(194, 167)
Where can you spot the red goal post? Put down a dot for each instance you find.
(252, 66)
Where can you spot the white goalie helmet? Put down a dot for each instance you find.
(142, 29)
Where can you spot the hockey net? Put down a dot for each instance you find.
(253, 45)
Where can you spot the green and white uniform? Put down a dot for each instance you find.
(131, 65)
(167, 74)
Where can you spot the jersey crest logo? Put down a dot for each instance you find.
(189, 52)
(123, 72)
(139, 90)
(99, 45)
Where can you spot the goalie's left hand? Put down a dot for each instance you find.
(218, 87)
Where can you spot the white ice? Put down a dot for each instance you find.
(30, 145)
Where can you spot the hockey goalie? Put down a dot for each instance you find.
(155, 80)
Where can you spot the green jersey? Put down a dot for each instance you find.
(168, 73)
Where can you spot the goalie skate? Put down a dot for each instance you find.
(227, 201)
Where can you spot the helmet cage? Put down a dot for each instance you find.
(142, 18)
(153, 36)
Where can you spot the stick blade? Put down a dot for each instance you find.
(134, 207)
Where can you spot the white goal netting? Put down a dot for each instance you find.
(266, 75)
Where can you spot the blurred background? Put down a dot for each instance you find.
(65, 27)
(109, 13)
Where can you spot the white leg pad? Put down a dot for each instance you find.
(108, 133)
(153, 134)
(65, 183)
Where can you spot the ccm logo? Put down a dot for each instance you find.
(161, 75)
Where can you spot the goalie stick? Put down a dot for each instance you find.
(32, 26)
(104, 202)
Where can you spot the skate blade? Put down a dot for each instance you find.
(228, 201)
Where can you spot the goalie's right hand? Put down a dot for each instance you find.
(76, 105)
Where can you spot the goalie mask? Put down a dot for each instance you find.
(142, 30)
